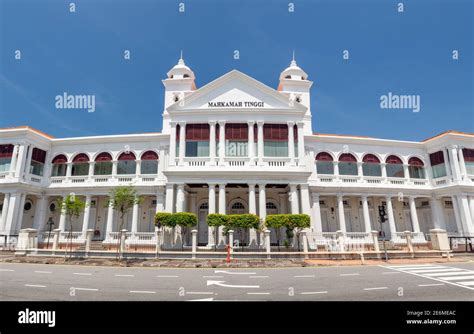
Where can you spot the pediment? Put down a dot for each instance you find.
(235, 91)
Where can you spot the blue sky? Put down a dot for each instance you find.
(82, 53)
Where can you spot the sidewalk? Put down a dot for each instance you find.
(8, 257)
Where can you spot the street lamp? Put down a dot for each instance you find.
(50, 223)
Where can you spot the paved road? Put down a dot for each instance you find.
(453, 281)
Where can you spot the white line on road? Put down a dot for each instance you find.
(451, 273)
(467, 283)
(303, 276)
(213, 277)
(313, 292)
(455, 278)
(141, 291)
(232, 272)
(258, 293)
(221, 283)
(122, 275)
(432, 270)
(390, 272)
(82, 274)
(7, 270)
(35, 286)
(167, 276)
(42, 272)
(199, 293)
(379, 288)
(355, 274)
(435, 284)
(411, 266)
(258, 277)
(86, 289)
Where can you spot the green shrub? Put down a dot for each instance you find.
(289, 221)
(216, 219)
(163, 219)
(185, 219)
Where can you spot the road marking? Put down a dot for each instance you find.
(433, 270)
(303, 276)
(221, 283)
(379, 288)
(258, 277)
(7, 270)
(141, 291)
(213, 277)
(411, 265)
(122, 275)
(390, 272)
(454, 278)
(202, 300)
(451, 273)
(467, 283)
(313, 292)
(82, 274)
(43, 272)
(167, 276)
(419, 268)
(199, 293)
(434, 284)
(355, 274)
(86, 289)
(258, 293)
(232, 272)
(35, 286)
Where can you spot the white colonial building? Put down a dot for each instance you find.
(236, 145)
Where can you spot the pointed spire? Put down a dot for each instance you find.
(181, 60)
(181, 57)
(293, 61)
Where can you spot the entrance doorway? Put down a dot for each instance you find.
(203, 228)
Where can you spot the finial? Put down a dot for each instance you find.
(293, 54)
(293, 61)
(181, 57)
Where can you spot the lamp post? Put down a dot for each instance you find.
(50, 223)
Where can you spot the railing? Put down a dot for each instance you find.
(44, 236)
(128, 178)
(236, 161)
(276, 161)
(400, 238)
(326, 178)
(440, 181)
(35, 179)
(392, 180)
(316, 239)
(419, 182)
(71, 238)
(348, 179)
(196, 161)
(374, 180)
(358, 238)
(101, 179)
(3, 175)
(78, 179)
(57, 179)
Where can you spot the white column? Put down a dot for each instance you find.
(212, 209)
(40, 213)
(457, 214)
(260, 150)
(252, 199)
(406, 172)
(360, 170)
(221, 142)
(27, 162)
(291, 142)
(110, 220)
(135, 218)
(462, 164)
(87, 210)
(294, 199)
(114, 167)
(138, 167)
(13, 163)
(340, 211)
(62, 218)
(11, 213)
(391, 218)
(383, 165)
(69, 169)
(180, 198)
(169, 197)
(453, 154)
(172, 153)
(17, 224)
(6, 202)
(262, 201)
(160, 206)
(447, 164)
(413, 214)
(182, 142)
(305, 204)
(212, 142)
(20, 160)
(251, 140)
(301, 155)
(91, 168)
(222, 198)
(437, 213)
(466, 218)
(336, 169)
(365, 209)
(471, 206)
(316, 224)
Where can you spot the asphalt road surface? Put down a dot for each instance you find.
(416, 282)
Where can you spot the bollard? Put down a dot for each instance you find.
(231, 243)
(89, 236)
(409, 243)
(159, 238)
(56, 232)
(194, 242)
(267, 243)
(123, 236)
(340, 240)
(304, 240)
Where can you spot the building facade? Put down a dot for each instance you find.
(236, 145)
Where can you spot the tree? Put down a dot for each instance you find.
(240, 223)
(293, 223)
(216, 220)
(71, 207)
(122, 199)
(182, 219)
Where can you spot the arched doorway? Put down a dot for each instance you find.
(203, 228)
(240, 235)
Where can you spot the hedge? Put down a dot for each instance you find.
(185, 219)
(290, 221)
(233, 221)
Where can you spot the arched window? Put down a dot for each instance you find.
(126, 164)
(59, 167)
(149, 164)
(394, 166)
(347, 164)
(468, 155)
(38, 158)
(80, 165)
(371, 165)
(416, 168)
(324, 163)
(271, 206)
(6, 153)
(103, 164)
(204, 206)
(238, 206)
